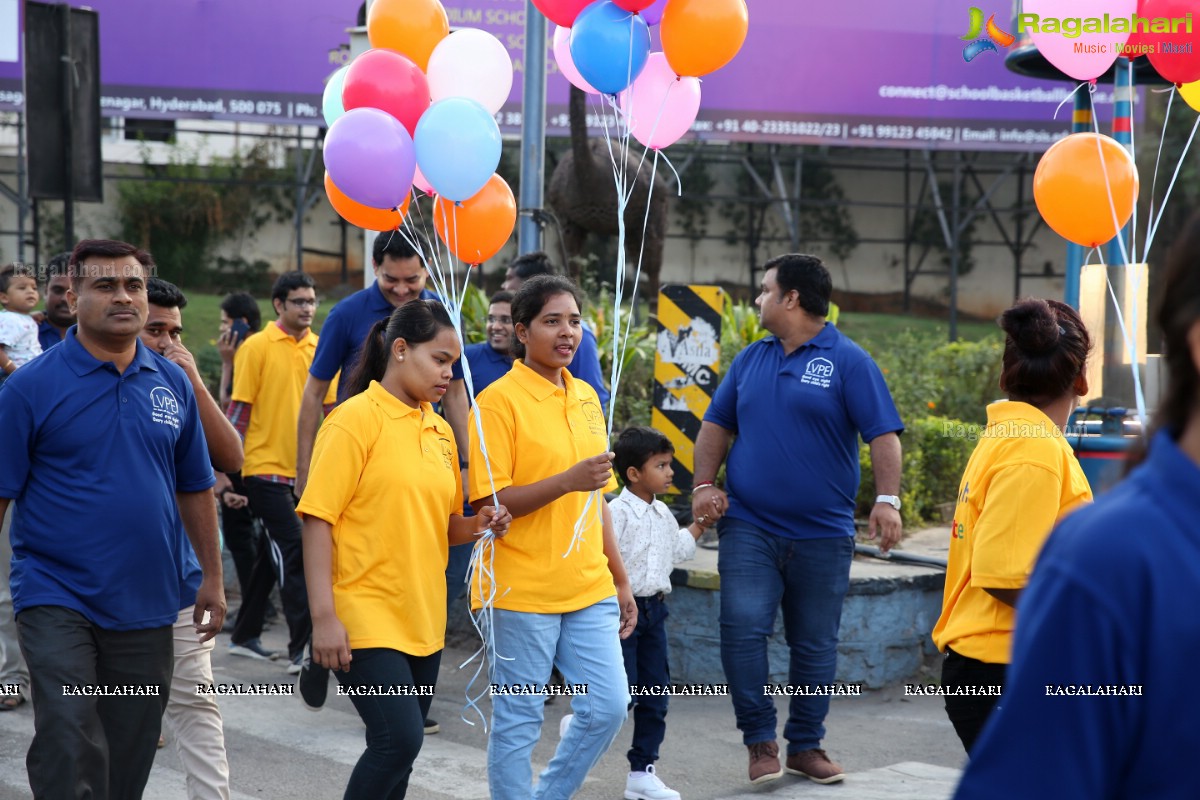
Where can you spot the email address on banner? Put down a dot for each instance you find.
(990, 94)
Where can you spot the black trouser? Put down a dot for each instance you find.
(83, 745)
(395, 723)
(275, 505)
(241, 538)
(647, 665)
(969, 713)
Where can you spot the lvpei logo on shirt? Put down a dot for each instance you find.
(164, 407)
(819, 372)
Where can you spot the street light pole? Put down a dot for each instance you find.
(533, 133)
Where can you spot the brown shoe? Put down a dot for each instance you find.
(815, 765)
(764, 762)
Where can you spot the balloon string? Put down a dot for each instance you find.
(1128, 337)
(481, 568)
(1068, 97)
(1154, 177)
(1132, 150)
(1171, 186)
(678, 180)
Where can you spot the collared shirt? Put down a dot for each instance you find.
(651, 542)
(344, 331)
(19, 337)
(1021, 479)
(1108, 611)
(385, 476)
(793, 469)
(487, 365)
(94, 459)
(269, 371)
(534, 429)
(48, 335)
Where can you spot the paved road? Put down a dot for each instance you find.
(893, 747)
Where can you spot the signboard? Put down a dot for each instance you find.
(687, 365)
(868, 73)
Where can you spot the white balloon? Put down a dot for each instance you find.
(474, 64)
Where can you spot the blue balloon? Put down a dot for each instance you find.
(458, 147)
(609, 46)
(331, 100)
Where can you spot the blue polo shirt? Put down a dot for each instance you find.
(793, 468)
(1109, 604)
(48, 335)
(344, 331)
(94, 459)
(487, 365)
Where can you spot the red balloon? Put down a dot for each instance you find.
(633, 5)
(1138, 41)
(562, 12)
(1175, 55)
(390, 82)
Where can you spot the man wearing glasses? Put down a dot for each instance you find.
(269, 373)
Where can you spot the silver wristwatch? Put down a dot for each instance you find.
(891, 499)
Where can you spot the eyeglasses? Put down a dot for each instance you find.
(303, 303)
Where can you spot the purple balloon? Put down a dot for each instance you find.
(370, 157)
(653, 14)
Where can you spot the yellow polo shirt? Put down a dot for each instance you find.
(1020, 480)
(534, 430)
(385, 475)
(269, 372)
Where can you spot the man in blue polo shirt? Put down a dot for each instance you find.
(58, 316)
(102, 448)
(797, 402)
(399, 277)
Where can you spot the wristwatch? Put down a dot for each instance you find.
(891, 499)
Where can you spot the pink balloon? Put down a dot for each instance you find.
(660, 106)
(634, 5)
(562, 55)
(1070, 53)
(562, 12)
(421, 182)
(653, 13)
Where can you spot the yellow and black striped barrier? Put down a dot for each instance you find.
(687, 363)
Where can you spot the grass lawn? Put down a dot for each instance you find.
(875, 330)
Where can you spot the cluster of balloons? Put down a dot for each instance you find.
(603, 47)
(418, 110)
(1085, 187)
(1089, 55)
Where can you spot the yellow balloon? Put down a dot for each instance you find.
(1190, 92)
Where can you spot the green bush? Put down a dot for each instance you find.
(955, 379)
(934, 460)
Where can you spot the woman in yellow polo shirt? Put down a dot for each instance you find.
(382, 504)
(1020, 480)
(557, 600)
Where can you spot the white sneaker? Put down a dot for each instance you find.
(647, 786)
(563, 724)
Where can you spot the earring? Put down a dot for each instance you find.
(399, 358)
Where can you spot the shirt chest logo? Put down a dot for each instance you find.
(818, 372)
(595, 417)
(164, 407)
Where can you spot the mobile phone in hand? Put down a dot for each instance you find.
(240, 330)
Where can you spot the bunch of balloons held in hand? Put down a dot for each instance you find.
(418, 110)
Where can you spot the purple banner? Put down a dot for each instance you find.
(864, 73)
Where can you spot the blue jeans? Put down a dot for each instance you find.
(457, 562)
(587, 650)
(809, 578)
(647, 664)
(395, 723)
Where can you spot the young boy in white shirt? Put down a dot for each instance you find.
(18, 331)
(651, 543)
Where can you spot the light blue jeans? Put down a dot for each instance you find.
(585, 646)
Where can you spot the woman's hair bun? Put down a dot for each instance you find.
(1033, 327)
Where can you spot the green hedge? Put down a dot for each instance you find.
(955, 379)
(935, 455)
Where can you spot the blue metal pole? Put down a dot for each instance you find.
(1081, 122)
(533, 133)
(1123, 132)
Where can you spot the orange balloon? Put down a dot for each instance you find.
(701, 36)
(360, 216)
(1074, 182)
(477, 228)
(411, 27)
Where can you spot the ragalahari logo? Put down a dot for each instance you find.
(995, 34)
